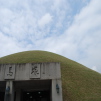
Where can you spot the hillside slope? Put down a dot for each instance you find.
(79, 82)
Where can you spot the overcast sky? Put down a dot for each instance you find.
(71, 28)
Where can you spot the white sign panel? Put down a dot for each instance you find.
(10, 72)
(35, 71)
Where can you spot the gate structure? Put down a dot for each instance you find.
(30, 82)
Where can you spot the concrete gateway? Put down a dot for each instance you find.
(30, 82)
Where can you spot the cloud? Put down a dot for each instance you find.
(88, 35)
(67, 27)
(46, 19)
(7, 45)
(81, 41)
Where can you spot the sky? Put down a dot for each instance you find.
(71, 28)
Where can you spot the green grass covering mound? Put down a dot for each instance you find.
(78, 82)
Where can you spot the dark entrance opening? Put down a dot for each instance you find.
(33, 90)
(36, 96)
(2, 94)
(2, 90)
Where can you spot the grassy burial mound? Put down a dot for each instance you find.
(79, 83)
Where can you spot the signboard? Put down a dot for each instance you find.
(35, 71)
(30, 71)
(10, 72)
